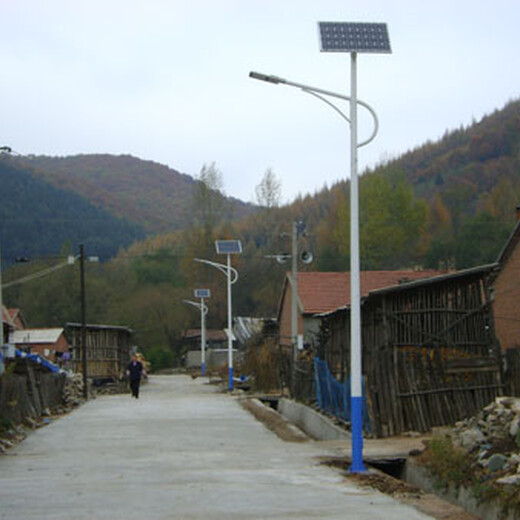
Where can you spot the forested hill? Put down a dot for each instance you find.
(146, 193)
(468, 163)
(39, 220)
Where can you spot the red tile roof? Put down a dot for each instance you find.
(324, 292)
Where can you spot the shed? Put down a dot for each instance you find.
(430, 355)
(108, 349)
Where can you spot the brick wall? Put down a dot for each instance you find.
(506, 305)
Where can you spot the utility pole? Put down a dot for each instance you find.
(83, 319)
(294, 302)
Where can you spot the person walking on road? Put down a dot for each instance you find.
(134, 372)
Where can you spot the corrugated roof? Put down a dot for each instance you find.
(36, 336)
(324, 292)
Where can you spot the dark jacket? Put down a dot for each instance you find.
(135, 369)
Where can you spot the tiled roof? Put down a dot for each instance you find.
(324, 292)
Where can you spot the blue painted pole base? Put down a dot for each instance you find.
(357, 435)
(230, 379)
(203, 369)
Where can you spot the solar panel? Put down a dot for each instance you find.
(228, 247)
(354, 37)
(202, 293)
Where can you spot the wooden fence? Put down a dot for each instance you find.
(430, 356)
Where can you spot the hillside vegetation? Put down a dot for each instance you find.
(449, 204)
(151, 195)
(38, 219)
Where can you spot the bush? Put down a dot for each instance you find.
(447, 463)
(159, 358)
(262, 362)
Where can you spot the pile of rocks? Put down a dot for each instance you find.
(11, 437)
(73, 390)
(493, 439)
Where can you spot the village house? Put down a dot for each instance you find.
(506, 293)
(12, 319)
(323, 292)
(215, 352)
(50, 343)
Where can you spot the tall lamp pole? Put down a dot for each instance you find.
(352, 38)
(202, 294)
(228, 248)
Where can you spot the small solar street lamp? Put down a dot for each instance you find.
(227, 247)
(202, 294)
(352, 38)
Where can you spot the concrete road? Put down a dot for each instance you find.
(184, 450)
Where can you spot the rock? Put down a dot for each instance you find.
(507, 402)
(30, 422)
(497, 462)
(471, 438)
(509, 480)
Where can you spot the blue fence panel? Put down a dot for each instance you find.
(333, 396)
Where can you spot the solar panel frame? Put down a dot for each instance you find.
(354, 37)
(202, 293)
(228, 247)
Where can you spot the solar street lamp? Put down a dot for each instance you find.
(202, 294)
(227, 247)
(352, 38)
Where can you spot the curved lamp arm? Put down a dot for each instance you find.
(233, 273)
(199, 306)
(320, 94)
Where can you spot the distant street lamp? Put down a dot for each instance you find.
(227, 247)
(202, 294)
(352, 38)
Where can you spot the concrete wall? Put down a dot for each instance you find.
(311, 422)
(215, 358)
(490, 509)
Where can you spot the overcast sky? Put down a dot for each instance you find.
(167, 80)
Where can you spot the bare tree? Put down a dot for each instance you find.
(269, 191)
(208, 198)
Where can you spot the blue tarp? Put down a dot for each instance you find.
(333, 396)
(40, 360)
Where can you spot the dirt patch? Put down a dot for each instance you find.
(287, 431)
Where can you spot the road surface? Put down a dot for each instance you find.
(185, 451)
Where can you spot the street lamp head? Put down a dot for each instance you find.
(265, 77)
